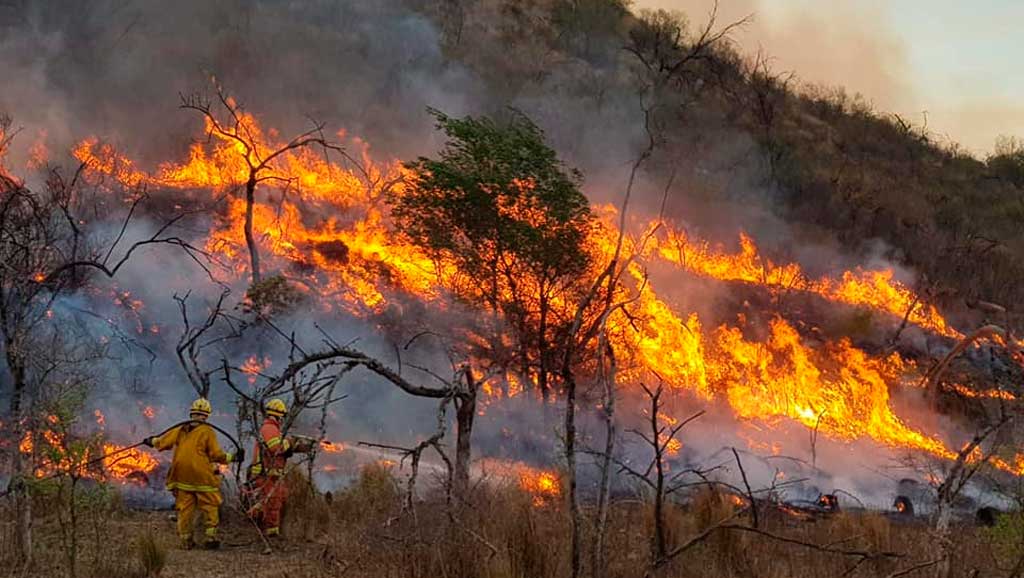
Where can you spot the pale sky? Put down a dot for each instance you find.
(959, 64)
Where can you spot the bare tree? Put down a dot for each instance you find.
(659, 43)
(659, 438)
(260, 158)
(311, 376)
(196, 338)
(970, 460)
(47, 249)
(766, 97)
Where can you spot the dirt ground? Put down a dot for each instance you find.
(242, 553)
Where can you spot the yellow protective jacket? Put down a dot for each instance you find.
(195, 452)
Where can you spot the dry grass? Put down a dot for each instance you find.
(498, 532)
(152, 555)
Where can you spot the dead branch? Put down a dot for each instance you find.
(703, 535)
(914, 568)
(746, 484)
(867, 554)
(986, 332)
(415, 453)
(237, 129)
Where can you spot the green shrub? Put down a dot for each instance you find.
(1007, 536)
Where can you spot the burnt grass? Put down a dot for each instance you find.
(368, 530)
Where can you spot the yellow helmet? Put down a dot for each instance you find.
(201, 405)
(276, 408)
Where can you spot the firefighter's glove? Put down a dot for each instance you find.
(239, 456)
(148, 442)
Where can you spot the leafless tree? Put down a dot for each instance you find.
(311, 376)
(658, 437)
(195, 338)
(261, 159)
(660, 44)
(48, 248)
(766, 96)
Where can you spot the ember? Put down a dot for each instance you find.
(903, 506)
(829, 502)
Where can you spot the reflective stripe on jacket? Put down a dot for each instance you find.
(195, 452)
(273, 463)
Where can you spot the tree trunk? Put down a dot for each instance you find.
(570, 458)
(21, 468)
(250, 240)
(604, 492)
(943, 539)
(22, 506)
(542, 349)
(73, 531)
(659, 510)
(465, 413)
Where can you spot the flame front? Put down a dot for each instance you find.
(328, 228)
(877, 290)
(106, 460)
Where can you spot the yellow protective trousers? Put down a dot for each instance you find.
(207, 502)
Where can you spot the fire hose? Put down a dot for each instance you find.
(16, 482)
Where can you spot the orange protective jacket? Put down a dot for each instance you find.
(270, 462)
(195, 452)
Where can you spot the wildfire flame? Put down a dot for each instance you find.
(253, 367)
(877, 290)
(544, 486)
(115, 462)
(332, 447)
(356, 261)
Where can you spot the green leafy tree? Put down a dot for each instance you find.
(506, 223)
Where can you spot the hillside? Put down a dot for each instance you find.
(736, 130)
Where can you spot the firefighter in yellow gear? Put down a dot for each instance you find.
(192, 477)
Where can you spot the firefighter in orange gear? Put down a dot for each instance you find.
(266, 473)
(192, 477)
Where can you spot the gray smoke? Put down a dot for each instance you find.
(77, 68)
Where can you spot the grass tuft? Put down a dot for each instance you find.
(152, 555)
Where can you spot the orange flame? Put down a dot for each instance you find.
(353, 258)
(330, 447)
(116, 462)
(874, 289)
(254, 367)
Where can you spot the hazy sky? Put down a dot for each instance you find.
(956, 63)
